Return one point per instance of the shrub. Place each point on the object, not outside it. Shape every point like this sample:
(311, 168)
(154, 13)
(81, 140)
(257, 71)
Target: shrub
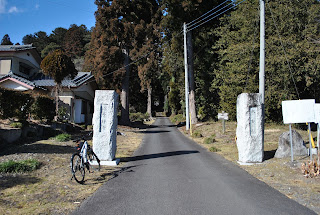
(63, 137)
(209, 140)
(43, 108)
(214, 149)
(14, 104)
(19, 166)
(90, 127)
(176, 119)
(201, 113)
(140, 117)
(196, 134)
(16, 125)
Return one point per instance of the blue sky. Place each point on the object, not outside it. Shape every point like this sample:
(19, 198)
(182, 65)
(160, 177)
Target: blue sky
(21, 17)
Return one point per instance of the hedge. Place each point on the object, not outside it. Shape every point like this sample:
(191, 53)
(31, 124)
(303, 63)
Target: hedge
(17, 104)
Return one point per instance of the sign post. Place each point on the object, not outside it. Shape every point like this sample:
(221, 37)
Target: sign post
(299, 111)
(224, 116)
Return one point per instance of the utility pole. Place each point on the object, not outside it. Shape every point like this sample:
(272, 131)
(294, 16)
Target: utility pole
(262, 62)
(262, 50)
(186, 79)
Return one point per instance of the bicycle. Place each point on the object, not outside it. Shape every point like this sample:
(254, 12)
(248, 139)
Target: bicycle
(83, 159)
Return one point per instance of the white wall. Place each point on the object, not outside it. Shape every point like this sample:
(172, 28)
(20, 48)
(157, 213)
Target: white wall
(12, 85)
(78, 118)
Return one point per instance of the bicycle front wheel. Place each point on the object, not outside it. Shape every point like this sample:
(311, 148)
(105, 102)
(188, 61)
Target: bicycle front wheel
(77, 168)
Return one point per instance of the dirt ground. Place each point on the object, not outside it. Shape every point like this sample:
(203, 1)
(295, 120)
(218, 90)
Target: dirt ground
(50, 190)
(277, 173)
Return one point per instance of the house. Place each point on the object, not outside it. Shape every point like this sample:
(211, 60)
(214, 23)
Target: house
(20, 70)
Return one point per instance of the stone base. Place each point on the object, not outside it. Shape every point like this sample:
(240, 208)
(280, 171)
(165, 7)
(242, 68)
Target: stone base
(247, 163)
(106, 163)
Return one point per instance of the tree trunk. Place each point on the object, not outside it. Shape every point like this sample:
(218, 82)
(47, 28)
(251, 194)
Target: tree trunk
(125, 120)
(192, 103)
(149, 105)
(56, 94)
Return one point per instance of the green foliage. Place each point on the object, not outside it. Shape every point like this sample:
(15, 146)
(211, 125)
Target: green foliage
(39, 40)
(174, 98)
(16, 125)
(196, 134)
(43, 108)
(140, 117)
(63, 137)
(293, 27)
(6, 40)
(176, 119)
(49, 48)
(62, 113)
(14, 104)
(201, 113)
(214, 149)
(209, 140)
(19, 166)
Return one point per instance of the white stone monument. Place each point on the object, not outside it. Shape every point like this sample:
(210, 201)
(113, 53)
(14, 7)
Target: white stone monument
(250, 128)
(105, 123)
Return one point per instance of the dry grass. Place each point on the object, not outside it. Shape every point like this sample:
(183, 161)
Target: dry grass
(278, 173)
(49, 189)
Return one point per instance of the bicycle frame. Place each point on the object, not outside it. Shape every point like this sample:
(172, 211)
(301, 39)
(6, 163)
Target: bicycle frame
(84, 152)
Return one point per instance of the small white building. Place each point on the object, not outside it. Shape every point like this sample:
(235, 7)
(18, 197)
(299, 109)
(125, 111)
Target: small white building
(20, 70)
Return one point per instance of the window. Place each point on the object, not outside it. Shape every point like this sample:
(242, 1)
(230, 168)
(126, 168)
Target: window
(5, 66)
(24, 68)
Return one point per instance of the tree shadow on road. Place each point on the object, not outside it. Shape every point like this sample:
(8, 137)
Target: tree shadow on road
(157, 155)
(153, 131)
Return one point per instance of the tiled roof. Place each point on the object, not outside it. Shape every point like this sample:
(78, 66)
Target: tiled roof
(41, 81)
(18, 78)
(16, 47)
(80, 79)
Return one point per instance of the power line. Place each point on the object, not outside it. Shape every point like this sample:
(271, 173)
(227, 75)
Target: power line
(235, 5)
(140, 58)
(190, 23)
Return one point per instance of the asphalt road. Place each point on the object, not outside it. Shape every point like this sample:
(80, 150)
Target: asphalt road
(170, 174)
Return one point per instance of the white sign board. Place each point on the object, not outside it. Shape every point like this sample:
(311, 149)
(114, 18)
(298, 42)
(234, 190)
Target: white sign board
(223, 116)
(298, 111)
(317, 113)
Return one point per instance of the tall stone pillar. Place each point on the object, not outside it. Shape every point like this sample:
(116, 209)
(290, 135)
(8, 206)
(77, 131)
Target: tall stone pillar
(105, 123)
(250, 128)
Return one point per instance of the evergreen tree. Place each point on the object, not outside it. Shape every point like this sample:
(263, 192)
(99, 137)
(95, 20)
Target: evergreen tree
(57, 35)
(147, 40)
(75, 40)
(176, 13)
(6, 40)
(39, 40)
(58, 65)
(117, 40)
(290, 26)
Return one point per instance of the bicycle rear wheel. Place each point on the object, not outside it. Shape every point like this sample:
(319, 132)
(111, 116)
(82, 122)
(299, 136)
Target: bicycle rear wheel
(77, 168)
(94, 160)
